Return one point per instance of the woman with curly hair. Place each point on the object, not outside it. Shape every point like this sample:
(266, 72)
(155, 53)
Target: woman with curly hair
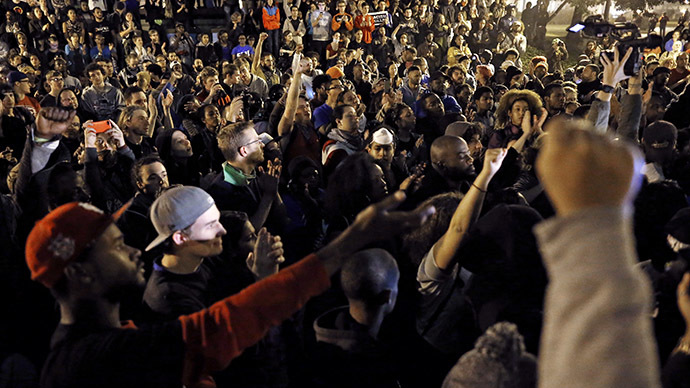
(509, 114)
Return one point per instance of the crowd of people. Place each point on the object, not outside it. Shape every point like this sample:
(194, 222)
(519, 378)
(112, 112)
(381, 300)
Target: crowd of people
(339, 194)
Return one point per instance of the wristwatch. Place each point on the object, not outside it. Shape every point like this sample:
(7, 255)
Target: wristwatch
(607, 88)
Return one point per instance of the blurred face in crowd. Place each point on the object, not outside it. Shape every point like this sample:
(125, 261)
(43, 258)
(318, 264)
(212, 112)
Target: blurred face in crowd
(138, 99)
(294, 12)
(56, 83)
(588, 74)
(180, 146)
(433, 106)
(253, 148)
(268, 62)
(556, 100)
(97, 79)
(68, 99)
(8, 101)
(382, 152)
(74, 128)
(406, 120)
(682, 61)
(349, 121)
(23, 86)
(162, 62)
(485, 102)
(379, 189)
(210, 81)
(204, 236)
(153, 178)
(303, 113)
(661, 80)
(211, 117)
(98, 14)
(656, 108)
(475, 146)
(455, 160)
(415, 77)
(517, 111)
(334, 89)
(138, 123)
(245, 75)
(439, 86)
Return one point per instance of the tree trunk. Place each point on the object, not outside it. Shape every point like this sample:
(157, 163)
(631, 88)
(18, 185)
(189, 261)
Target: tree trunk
(607, 10)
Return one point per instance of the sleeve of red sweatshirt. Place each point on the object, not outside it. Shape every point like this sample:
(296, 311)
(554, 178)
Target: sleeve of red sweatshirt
(214, 336)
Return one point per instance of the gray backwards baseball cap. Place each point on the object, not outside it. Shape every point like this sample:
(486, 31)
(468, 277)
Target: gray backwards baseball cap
(177, 209)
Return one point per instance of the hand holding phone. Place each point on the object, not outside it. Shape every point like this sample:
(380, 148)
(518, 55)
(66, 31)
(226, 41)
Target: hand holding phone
(101, 126)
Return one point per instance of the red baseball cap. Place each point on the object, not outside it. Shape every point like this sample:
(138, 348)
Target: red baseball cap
(60, 238)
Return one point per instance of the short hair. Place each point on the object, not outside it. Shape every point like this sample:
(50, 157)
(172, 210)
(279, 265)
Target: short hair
(241, 62)
(127, 114)
(593, 67)
(94, 67)
(230, 139)
(206, 73)
(548, 89)
(368, 273)
(481, 90)
(141, 162)
(339, 111)
(393, 114)
(412, 68)
(320, 80)
(130, 91)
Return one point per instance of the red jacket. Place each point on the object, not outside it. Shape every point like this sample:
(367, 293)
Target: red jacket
(271, 18)
(367, 30)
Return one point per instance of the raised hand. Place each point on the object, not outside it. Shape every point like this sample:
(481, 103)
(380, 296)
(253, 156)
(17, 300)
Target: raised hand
(90, 135)
(115, 134)
(580, 169)
(53, 121)
(493, 159)
(380, 220)
(614, 71)
(268, 180)
(267, 255)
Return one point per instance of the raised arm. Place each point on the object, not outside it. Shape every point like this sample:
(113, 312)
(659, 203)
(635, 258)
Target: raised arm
(286, 123)
(257, 53)
(613, 73)
(468, 210)
(600, 334)
(214, 336)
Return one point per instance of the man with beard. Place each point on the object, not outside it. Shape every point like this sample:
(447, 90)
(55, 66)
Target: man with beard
(451, 169)
(439, 83)
(238, 187)
(134, 122)
(412, 86)
(264, 64)
(554, 99)
(79, 254)
(107, 166)
(151, 178)
(660, 79)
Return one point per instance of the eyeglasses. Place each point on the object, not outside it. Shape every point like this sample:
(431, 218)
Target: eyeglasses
(250, 143)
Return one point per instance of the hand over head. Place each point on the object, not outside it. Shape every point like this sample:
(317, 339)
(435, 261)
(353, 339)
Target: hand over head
(53, 121)
(580, 169)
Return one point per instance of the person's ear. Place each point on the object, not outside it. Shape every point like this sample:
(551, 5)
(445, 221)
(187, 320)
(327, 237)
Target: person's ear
(242, 151)
(140, 184)
(179, 238)
(77, 272)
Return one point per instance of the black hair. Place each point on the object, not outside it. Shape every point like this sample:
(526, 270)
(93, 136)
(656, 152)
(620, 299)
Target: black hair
(480, 91)
(135, 174)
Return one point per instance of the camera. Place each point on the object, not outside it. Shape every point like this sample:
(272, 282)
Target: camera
(626, 34)
(253, 106)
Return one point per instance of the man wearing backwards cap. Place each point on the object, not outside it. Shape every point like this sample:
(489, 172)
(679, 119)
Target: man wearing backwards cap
(79, 253)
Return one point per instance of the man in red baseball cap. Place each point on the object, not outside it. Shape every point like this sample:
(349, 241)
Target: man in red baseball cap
(79, 253)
